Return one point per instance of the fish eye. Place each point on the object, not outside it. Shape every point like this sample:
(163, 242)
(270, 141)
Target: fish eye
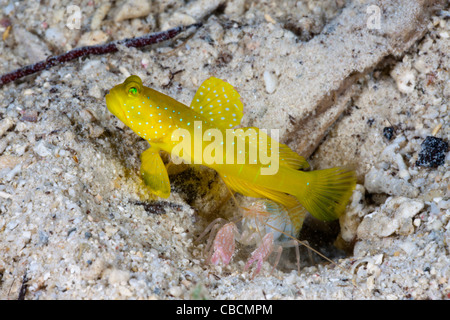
(133, 86)
(132, 91)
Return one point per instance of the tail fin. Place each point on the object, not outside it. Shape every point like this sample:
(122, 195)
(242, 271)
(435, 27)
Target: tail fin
(327, 192)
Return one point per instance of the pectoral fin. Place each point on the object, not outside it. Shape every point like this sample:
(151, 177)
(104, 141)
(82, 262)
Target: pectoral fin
(154, 173)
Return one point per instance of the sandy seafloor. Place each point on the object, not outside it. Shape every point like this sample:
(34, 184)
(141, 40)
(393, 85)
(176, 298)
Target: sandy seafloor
(76, 221)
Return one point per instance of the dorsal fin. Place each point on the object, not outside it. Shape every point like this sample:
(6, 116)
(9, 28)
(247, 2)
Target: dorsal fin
(291, 159)
(218, 102)
(288, 158)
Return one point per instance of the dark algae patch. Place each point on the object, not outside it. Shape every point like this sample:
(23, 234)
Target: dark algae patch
(432, 153)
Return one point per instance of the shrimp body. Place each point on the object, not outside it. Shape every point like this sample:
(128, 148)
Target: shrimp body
(203, 134)
(265, 216)
(265, 224)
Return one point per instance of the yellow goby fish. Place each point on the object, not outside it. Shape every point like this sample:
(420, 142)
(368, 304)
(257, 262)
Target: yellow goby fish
(216, 108)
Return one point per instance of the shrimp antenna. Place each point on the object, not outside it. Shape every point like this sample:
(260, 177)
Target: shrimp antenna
(278, 230)
(315, 251)
(297, 240)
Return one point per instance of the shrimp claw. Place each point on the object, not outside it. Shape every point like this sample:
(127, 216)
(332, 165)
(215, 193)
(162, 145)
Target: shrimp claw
(224, 244)
(262, 252)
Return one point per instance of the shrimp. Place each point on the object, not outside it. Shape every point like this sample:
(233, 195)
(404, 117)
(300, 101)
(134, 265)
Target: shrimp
(272, 227)
(264, 223)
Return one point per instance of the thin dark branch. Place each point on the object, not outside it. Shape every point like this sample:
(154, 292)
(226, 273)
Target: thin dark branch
(94, 50)
(23, 287)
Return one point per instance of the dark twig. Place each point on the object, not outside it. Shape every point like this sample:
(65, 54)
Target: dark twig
(23, 287)
(94, 50)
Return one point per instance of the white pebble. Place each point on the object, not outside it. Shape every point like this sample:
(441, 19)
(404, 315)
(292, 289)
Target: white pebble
(96, 269)
(235, 8)
(99, 15)
(408, 246)
(41, 149)
(444, 35)
(119, 276)
(95, 91)
(201, 8)
(405, 79)
(395, 216)
(350, 221)
(132, 9)
(55, 36)
(406, 82)
(403, 170)
(124, 71)
(176, 19)
(92, 38)
(389, 152)
(194, 11)
(5, 195)
(379, 181)
(370, 283)
(435, 225)
(11, 174)
(421, 66)
(5, 125)
(291, 279)
(444, 204)
(176, 291)
(124, 291)
(417, 222)
(26, 235)
(270, 81)
(12, 225)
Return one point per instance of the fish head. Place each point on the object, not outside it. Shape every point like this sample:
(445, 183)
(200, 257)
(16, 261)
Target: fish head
(123, 99)
(129, 102)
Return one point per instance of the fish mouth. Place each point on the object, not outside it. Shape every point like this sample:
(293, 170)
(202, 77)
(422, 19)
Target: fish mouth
(114, 104)
(110, 99)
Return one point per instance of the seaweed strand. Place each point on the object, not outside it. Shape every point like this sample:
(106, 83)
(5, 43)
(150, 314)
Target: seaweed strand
(110, 47)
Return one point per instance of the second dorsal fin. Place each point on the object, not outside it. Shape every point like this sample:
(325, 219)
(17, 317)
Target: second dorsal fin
(217, 101)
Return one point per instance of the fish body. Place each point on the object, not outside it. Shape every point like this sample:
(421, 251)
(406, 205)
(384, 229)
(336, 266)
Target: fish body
(250, 162)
